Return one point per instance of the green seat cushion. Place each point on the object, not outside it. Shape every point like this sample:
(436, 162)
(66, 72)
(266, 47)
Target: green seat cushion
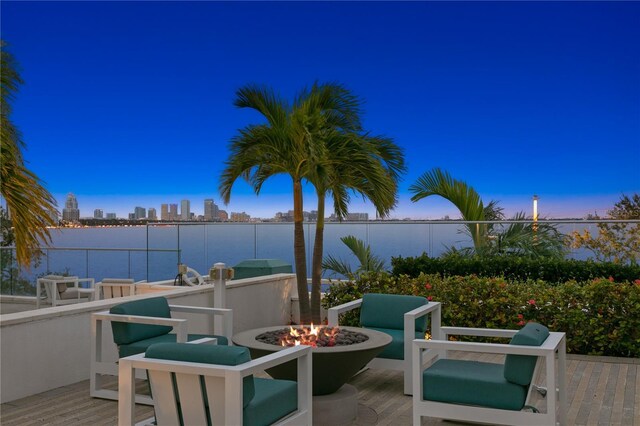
(273, 400)
(125, 333)
(519, 368)
(472, 383)
(395, 349)
(387, 311)
(142, 345)
(207, 354)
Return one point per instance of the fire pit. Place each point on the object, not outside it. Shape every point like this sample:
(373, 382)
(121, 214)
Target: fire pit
(338, 352)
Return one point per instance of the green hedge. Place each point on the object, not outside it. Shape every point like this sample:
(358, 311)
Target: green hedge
(600, 317)
(515, 268)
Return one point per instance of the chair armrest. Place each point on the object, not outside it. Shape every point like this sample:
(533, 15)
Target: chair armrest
(91, 281)
(550, 345)
(227, 315)
(334, 313)
(422, 310)
(200, 310)
(264, 362)
(482, 332)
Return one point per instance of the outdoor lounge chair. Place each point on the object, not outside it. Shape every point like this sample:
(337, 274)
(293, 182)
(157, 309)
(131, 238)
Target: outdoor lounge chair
(110, 288)
(403, 318)
(138, 324)
(214, 385)
(492, 393)
(61, 290)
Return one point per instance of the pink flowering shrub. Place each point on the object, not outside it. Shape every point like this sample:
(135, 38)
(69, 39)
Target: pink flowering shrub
(600, 317)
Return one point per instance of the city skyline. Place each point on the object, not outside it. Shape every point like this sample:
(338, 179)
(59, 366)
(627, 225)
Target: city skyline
(514, 98)
(199, 207)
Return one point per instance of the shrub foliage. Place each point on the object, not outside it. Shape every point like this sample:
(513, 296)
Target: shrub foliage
(600, 317)
(514, 268)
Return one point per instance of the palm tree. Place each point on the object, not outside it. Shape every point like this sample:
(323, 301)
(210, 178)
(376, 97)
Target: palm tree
(365, 165)
(28, 203)
(517, 238)
(463, 196)
(286, 144)
(368, 261)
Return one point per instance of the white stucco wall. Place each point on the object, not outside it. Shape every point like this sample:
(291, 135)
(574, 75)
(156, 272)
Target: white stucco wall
(48, 348)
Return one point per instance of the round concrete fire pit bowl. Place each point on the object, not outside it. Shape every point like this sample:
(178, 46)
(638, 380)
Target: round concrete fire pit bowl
(332, 366)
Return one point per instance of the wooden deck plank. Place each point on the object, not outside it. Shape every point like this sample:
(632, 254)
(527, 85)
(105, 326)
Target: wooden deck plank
(598, 393)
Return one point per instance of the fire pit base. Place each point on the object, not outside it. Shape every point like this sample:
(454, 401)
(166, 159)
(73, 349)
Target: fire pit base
(338, 408)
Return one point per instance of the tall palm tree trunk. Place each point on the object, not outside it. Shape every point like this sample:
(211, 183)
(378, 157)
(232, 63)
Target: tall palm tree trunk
(316, 265)
(300, 254)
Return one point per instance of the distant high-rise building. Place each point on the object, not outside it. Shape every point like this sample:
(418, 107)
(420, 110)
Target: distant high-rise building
(240, 217)
(210, 210)
(98, 214)
(139, 213)
(223, 215)
(151, 214)
(132, 216)
(164, 212)
(71, 213)
(185, 210)
(173, 212)
(111, 216)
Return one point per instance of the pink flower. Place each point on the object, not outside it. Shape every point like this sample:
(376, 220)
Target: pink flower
(637, 282)
(532, 302)
(427, 286)
(611, 279)
(521, 323)
(429, 298)
(520, 316)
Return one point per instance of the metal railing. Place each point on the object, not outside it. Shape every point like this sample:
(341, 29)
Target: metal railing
(95, 262)
(201, 244)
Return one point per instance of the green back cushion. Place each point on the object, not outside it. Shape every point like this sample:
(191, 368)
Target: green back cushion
(519, 368)
(387, 311)
(206, 354)
(125, 333)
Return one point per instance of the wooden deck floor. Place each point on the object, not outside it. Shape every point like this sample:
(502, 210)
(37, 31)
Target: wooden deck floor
(600, 391)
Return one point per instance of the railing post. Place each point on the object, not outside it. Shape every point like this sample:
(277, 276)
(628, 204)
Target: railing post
(219, 273)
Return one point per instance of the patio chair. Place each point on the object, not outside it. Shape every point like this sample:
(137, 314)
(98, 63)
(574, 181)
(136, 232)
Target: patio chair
(403, 318)
(138, 324)
(483, 392)
(214, 385)
(110, 288)
(61, 290)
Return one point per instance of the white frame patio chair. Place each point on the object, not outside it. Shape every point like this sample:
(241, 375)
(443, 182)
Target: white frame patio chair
(111, 288)
(555, 370)
(223, 401)
(100, 368)
(58, 290)
(433, 309)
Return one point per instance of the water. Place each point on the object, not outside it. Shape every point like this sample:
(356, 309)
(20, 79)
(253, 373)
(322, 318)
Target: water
(201, 245)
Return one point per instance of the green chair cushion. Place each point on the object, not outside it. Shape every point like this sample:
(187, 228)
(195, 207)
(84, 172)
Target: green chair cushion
(125, 333)
(273, 400)
(387, 311)
(142, 345)
(519, 368)
(472, 383)
(395, 349)
(207, 354)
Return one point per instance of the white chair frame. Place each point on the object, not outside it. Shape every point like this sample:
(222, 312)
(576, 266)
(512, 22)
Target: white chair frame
(50, 287)
(111, 288)
(101, 319)
(224, 388)
(432, 308)
(554, 346)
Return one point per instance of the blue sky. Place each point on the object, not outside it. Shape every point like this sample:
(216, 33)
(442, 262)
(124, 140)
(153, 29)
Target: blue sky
(130, 103)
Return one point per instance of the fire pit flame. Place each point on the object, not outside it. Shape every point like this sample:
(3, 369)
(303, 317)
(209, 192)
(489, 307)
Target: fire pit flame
(310, 336)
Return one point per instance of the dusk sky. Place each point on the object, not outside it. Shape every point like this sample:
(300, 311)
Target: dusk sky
(131, 103)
